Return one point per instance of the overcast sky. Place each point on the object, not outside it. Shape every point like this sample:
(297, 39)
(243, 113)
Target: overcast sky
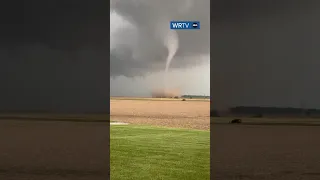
(138, 53)
(266, 54)
(54, 54)
(193, 79)
(263, 53)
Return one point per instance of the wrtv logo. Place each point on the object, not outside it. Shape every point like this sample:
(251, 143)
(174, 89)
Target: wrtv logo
(195, 25)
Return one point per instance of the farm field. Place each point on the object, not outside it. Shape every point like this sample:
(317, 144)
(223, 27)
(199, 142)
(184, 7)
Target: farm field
(165, 113)
(253, 152)
(270, 121)
(55, 117)
(165, 139)
(157, 99)
(62, 149)
(265, 148)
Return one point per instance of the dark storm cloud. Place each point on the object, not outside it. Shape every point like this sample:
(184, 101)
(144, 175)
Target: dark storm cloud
(140, 48)
(265, 54)
(58, 24)
(143, 50)
(262, 52)
(233, 11)
(54, 56)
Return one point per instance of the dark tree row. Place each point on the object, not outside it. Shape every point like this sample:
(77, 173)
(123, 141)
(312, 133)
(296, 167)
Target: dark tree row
(261, 111)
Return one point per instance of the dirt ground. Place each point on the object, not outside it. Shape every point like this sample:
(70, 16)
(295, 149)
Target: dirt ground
(259, 152)
(41, 150)
(168, 113)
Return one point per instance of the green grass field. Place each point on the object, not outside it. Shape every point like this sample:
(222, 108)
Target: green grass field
(142, 152)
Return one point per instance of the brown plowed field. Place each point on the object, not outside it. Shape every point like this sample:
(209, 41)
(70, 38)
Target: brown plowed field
(265, 152)
(53, 150)
(192, 114)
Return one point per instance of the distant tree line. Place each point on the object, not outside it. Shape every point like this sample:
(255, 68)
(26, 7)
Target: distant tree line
(195, 97)
(271, 110)
(261, 111)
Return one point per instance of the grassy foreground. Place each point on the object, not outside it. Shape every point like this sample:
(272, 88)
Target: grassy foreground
(140, 152)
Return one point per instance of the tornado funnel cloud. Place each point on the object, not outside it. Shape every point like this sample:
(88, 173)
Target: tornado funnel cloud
(172, 44)
(171, 41)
